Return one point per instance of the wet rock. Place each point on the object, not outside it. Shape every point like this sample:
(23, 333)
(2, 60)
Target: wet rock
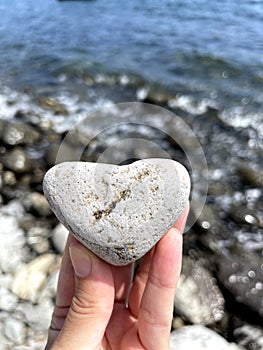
(119, 212)
(198, 337)
(59, 237)
(12, 241)
(18, 133)
(151, 95)
(31, 278)
(197, 297)
(243, 279)
(66, 153)
(249, 337)
(17, 161)
(250, 176)
(244, 216)
(207, 219)
(219, 189)
(9, 178)
(53, 105)
(15, 330)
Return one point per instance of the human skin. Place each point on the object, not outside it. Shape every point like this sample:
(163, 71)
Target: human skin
(91, 310)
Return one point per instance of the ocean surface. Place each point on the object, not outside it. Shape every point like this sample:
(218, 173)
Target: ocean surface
(203, 51)
(87, 54)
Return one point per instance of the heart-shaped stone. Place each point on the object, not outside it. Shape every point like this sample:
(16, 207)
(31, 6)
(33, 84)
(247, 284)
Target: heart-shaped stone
(119, 212)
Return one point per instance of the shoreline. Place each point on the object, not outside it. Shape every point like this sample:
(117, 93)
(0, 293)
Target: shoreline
(225, 241)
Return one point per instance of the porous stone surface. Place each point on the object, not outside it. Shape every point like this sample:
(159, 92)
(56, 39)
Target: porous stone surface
(119, 212)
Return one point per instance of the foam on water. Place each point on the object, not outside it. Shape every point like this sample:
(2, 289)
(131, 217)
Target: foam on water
(12, 101)
(241, 117)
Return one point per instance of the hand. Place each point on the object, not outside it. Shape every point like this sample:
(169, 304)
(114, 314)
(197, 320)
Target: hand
(90, 311)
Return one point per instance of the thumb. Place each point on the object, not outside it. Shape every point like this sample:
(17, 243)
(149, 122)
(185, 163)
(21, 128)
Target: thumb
(92, 302)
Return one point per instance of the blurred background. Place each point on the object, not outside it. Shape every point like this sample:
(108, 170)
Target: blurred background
(203, 61)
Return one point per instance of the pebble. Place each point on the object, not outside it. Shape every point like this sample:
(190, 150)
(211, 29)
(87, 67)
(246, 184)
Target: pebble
(14, 208)
(243, 279)
(53, 105)
(19, 133)
(37, 203)
(249, 336)
(15, 330)
(30, 279)
(119, 212)
(39, 244)
(251, 177)
(59, 237)
(18, 161)
(197, 297)
(31, 315)
(12, 241)
(8, 301)
(199, 337)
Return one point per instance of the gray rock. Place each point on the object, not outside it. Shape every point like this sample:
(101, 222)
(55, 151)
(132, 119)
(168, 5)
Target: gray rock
(250, 337)
(38, 316)
(18, 133)
(14, 208)
(197, 297)
(119, 212)
(15, 330)
(250, 176)
(8, 301)
(9, 178)
(5, 343)
(198, 337)
(243, 278)
(34, 342)
(59, 237)
(12, 241)
(18, 161)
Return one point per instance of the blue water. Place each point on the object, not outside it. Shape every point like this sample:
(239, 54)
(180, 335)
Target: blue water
(205, 49)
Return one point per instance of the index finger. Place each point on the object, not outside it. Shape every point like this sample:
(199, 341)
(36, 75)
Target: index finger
(156, 309)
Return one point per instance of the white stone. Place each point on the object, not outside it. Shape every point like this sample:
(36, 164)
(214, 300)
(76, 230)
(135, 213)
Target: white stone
(198, 337)
(31, 278)
(15, 330)
(37, 316)
(12, 241)
(8, 300)
(119, 212)
(59, 237)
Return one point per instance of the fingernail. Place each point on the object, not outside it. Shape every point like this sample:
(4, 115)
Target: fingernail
(81, 261)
